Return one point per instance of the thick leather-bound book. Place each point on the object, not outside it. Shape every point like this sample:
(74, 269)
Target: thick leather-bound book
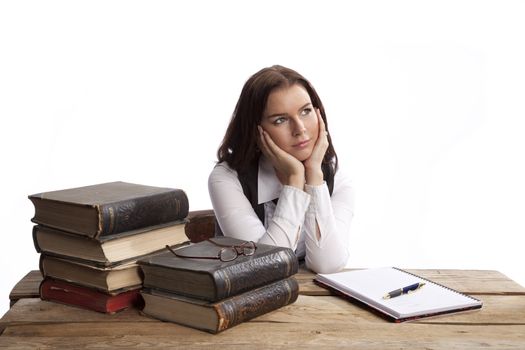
(88, 298)
(213, 279)
(112, 251)
(110, 208)
(108, 252)
(217, 316)
(105, 279)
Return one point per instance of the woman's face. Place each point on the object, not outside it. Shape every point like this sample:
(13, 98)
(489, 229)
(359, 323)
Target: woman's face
(291, 121)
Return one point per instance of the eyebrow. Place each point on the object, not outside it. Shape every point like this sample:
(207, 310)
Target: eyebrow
(282, 114)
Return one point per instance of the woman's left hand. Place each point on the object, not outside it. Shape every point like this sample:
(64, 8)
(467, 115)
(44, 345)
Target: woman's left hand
(312, 165)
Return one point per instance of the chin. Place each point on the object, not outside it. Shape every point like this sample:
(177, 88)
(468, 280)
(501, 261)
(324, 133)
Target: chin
(302, 155)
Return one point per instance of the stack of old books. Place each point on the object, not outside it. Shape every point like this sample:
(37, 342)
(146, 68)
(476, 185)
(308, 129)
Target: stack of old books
(218, 283)
(90, 239)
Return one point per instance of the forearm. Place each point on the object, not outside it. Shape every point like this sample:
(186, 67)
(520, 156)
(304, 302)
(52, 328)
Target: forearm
(327, 231)
(238, 219)
(286, 223)
(314, 177)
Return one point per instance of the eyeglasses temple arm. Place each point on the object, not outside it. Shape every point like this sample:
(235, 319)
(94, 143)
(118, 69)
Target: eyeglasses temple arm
(171, 250)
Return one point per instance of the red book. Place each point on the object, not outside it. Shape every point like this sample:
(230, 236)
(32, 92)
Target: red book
(87, 298)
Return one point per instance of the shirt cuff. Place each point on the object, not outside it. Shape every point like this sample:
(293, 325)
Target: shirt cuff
(320, 203)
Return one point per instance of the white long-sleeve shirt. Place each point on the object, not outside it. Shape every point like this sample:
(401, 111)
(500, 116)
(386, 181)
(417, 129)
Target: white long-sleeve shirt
(293, 221)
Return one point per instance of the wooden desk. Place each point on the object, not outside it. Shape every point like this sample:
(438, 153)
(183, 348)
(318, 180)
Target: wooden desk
(316, 320)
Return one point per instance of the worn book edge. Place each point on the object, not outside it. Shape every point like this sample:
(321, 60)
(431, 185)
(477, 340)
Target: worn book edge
(113, 217)
(99, 243)
(68, 293)
(230, 311)
(277, 263)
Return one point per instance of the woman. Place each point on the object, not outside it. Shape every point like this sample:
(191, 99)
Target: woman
(277, 180)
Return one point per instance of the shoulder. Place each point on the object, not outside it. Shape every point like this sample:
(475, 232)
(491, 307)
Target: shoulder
(223, 183)
(222, 172)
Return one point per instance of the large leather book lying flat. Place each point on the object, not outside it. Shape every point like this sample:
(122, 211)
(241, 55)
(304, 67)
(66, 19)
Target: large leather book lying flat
(217, 316)
(213, 279)
(108, 252)
(110, 208)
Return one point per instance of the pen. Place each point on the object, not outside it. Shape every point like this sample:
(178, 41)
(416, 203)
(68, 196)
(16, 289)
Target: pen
(404, 290)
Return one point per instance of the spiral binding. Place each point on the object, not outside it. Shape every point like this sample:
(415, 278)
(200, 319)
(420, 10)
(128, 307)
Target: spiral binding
(435, 283)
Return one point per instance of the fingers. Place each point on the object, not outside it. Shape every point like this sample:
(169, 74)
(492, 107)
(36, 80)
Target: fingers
(266, 143)
(322, 126)
(283, 162)
(269, 147)
(321, 145)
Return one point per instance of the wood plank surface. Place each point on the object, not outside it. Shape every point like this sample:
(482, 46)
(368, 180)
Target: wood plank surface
(38, 311)
(315, 320)
(251, 335)
(467, 281)
(497, 310)
(27, 287)
(473, 282)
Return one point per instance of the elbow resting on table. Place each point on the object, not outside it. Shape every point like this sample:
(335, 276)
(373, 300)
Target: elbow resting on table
(320, 265)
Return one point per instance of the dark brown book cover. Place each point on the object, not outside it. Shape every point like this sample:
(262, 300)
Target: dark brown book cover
(218, 316)
(88, 298)
(214, 280)
(200, 225)
(110, 208)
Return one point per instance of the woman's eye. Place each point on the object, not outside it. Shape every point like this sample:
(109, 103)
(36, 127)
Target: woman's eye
(306, 111)
(279, 120)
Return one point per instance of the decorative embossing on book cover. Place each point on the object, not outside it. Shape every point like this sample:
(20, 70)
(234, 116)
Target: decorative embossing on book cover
(217, 316)
(109, 208)
(213, 280)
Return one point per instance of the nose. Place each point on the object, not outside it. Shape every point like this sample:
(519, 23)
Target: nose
(298, 127)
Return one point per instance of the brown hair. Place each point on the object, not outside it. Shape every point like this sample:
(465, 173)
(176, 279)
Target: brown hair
(239, 145)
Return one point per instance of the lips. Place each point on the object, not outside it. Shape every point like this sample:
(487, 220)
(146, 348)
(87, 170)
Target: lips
(301, 144)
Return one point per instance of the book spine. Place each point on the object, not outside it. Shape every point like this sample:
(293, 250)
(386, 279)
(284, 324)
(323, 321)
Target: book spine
(141, 212)
(35, 240)
(41, 265)
(253, 273)
(71, 294)
(243, 307)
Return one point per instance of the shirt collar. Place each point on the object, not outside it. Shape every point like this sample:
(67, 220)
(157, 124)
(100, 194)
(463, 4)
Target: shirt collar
(268, 185)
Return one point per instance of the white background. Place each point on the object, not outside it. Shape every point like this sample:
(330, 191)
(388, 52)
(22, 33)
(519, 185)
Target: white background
(425, 103)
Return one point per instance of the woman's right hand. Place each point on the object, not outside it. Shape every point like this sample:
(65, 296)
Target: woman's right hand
(289, 169)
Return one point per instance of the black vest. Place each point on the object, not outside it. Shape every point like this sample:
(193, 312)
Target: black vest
(249, 183)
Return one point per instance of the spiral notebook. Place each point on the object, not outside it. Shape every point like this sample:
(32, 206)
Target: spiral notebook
(370, 286)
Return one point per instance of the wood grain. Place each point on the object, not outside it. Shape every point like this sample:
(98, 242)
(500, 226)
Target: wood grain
(277, 336)
(27, 287)
(473, 282)
(314, 321)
